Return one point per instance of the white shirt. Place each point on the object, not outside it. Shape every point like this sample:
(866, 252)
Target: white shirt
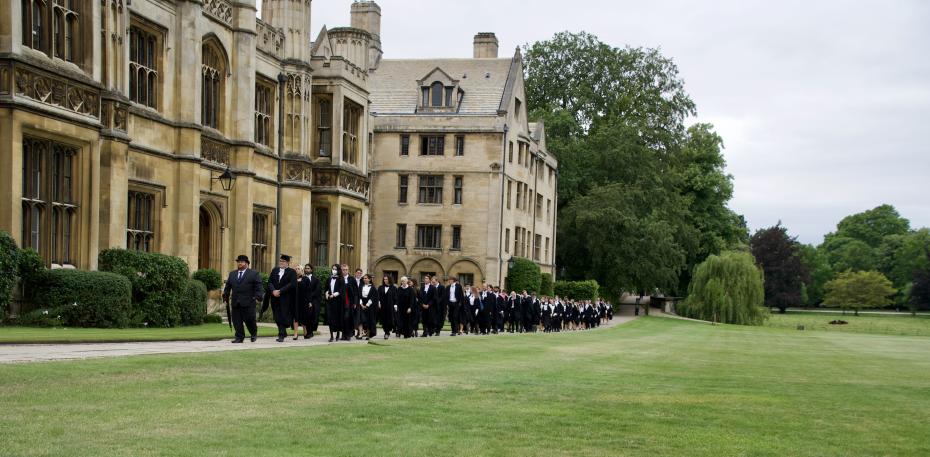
(280, 273)
(452, 293)
(365, 289)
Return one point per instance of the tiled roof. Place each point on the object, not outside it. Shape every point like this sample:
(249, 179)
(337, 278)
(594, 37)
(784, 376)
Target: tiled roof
(394, 90)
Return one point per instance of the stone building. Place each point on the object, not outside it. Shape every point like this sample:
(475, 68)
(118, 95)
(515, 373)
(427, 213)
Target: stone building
(461, 179)
(118, 118)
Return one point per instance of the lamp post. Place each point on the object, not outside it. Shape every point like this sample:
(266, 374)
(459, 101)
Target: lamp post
(226, 179)
(510, 264)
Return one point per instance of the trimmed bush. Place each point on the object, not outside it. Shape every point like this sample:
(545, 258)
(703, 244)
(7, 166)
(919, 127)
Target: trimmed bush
(210, 278)
(31, 273)
(213, 319)
(195, 303)
(545, 285)
(159, 283)
(9, 264)
(86, 298)
(577, 290)
(324, 273)
(524, 276)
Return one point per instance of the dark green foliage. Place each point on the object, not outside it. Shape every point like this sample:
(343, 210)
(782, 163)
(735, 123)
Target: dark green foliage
(780, 257)
(31, 273)
(194, 306)
(577, 290)
(819, 271)
(324, 273)
(210, 278)
(9, 264)
(872, 226)
(86, 298)
(630, 172)
(213, 319)
(524, 275)
(919, 296)
(726, 288)
(845, 253)
(545, 285)
(159, 283)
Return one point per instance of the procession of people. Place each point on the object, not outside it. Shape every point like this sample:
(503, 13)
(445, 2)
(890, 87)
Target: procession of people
(353, 306)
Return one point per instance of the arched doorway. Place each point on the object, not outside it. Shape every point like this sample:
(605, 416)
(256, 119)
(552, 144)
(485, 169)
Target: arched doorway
(205, 240)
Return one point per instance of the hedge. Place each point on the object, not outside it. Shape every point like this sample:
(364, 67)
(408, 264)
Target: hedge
(31, 273)
(210, 278)
(86, 298)
(577, 290)
(523, 276)
(9, 264)
(195, 303)
(159, 283)
(545, 285)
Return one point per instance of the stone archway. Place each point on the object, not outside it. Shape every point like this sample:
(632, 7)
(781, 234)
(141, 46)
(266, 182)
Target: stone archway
(209, 240)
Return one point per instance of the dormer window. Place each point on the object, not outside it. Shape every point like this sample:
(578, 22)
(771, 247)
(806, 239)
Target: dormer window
(439, 92)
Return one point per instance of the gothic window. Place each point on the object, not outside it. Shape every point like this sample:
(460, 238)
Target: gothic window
(144, 50)
(49, 206)
(403, 181)
(401, 240)
(348, 238)
(53, 27)
(351, 120)
(321, 237)
(140, 220)
(457, 190)
(213, 73)
(264, 103)
(260, 240)
(324, 126)
(456, 237)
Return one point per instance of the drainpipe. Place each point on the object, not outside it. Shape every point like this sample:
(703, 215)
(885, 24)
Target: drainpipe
(282, 79)
(500, 249)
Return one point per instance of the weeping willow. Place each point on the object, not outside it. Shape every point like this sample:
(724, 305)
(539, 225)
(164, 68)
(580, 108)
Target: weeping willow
(727, 288)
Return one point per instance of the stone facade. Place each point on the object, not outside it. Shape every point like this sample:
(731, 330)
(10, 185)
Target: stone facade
(116, 117)
(461, 180)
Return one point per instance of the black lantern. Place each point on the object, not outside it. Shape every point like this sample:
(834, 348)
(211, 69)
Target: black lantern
(226, 179)
(510, 264)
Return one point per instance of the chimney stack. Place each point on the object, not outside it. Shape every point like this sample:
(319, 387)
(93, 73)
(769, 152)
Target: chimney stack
(366, 15)
(485, 46)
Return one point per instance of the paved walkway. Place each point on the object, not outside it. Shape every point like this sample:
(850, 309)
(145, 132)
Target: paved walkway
(12, 353)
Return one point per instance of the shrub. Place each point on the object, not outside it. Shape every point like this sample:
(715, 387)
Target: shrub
(524, 276)
(213, 319)
(31, 273)
(858, 289)
(324, 273)
(86, 298)
(726, 288)
(545, 285)
(9, 263)
(194, 306)
(577, 290)
(159, 283)
(209, 277)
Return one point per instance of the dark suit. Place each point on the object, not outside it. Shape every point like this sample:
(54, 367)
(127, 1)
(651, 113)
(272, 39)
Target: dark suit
(309, 298)
(454, 308)
(283, 306)
(441, 303)
(369, 310)
(350, 317)
(428, 308)
(334, 306)
(406, 306)
(242, 295)
(386, 300)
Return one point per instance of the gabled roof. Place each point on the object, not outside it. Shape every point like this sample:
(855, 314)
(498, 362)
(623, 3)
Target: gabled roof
(394, 89)
(322, 46)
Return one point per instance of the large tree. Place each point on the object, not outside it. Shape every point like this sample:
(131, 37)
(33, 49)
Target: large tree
(859, 290)
(919, 296)
(641, 198)
(779, 255)
(726, 288)
(819, 272)
(872, 226)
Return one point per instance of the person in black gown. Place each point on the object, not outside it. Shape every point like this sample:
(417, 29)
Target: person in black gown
(387, 305)
(368, 304)
(335, 295)
(406, 305)
(282, 283)
(308, 302)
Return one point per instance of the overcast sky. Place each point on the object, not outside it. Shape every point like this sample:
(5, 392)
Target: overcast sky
(824, 106)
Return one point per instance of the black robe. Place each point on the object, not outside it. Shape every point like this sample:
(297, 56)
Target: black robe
(386, 300)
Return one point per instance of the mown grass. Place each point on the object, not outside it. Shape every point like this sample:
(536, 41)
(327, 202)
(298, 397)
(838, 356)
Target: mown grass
(11, 334)
(651, 387)
(882, 324)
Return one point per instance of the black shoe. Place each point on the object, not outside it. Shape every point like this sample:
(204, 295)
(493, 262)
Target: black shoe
(253, 338)
(307, 337)
(279, 339)
(386, 336)
(330, 339)
(237, 340)
(295, 337)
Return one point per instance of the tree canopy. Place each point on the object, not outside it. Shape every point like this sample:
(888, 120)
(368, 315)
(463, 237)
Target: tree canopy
(859, 289)
(727, 288)
(780, 257)
(642, 198)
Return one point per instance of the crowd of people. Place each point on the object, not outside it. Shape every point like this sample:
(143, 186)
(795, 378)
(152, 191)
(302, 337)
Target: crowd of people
(354, 306)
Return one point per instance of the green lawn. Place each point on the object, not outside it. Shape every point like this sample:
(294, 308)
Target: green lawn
(651, 387)
(875, 323)
(90, 335)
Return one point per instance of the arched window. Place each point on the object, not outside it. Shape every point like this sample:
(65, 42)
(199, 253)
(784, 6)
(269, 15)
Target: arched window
(436, 90)
(53, 27)
(214, 75)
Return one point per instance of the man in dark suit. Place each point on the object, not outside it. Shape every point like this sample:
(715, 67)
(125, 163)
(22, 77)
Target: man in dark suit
(243, 288)
(453, 297)
(282, 283)
(309, 298)
(439, 303)
(336, 299)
